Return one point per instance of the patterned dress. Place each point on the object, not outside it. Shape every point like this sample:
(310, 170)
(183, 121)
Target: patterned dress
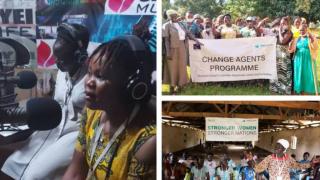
(282, 85)
(119, 162)
(279, 166)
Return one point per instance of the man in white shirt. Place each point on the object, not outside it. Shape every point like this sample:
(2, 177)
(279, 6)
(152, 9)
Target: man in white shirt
(199, 171)
(211, 165)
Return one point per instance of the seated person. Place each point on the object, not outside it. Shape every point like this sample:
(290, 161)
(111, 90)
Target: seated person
(117, 139)
(46, 154)
(305, 172)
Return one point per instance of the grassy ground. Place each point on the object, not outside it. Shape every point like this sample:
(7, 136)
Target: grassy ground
(202, 89)
(205, 89)
(196, 89)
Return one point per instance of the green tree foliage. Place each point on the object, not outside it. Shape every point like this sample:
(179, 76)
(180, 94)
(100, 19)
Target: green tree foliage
(314, 13)
(240, 8)
(274, 8)
(303, 5)
(310, 9)
(208, 8)
(166, 5)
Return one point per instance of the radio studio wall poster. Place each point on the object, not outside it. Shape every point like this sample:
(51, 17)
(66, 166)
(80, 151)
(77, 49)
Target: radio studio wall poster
(103, 23)
(17, 32)
(131, 7)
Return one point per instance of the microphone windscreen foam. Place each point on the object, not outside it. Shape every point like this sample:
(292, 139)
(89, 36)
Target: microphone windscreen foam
(27, 79)
(43, 113)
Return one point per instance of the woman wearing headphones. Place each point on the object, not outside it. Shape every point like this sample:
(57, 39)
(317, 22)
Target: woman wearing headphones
(46, 154)
(117, 139)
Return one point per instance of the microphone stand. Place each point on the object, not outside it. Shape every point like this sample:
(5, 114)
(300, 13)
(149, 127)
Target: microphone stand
(8, 98)
(7, 103)
(18, 135)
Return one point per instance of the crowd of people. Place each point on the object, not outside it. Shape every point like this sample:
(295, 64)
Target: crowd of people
(276, 166)
(296, 51)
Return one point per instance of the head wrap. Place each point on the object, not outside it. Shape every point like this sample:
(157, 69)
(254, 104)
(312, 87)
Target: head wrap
(197, 16)
(284, 143)
(250, 18)
(171, 12)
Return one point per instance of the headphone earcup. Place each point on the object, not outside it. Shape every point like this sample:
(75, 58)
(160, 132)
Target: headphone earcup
(137, 89)
(138, 86)
(80, 56)
(81, 53)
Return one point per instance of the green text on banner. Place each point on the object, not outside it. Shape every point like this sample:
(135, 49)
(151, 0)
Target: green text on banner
(231, 129)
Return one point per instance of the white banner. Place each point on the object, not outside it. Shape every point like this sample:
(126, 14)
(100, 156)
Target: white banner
(233, 59)
(231, 129)
(17, 12)
(131, 7)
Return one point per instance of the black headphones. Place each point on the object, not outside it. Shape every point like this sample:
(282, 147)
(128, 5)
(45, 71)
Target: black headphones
(137, 85)
(81, 53)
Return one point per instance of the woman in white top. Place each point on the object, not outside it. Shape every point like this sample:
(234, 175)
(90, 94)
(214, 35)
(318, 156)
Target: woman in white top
(176, 38)
(46, 154)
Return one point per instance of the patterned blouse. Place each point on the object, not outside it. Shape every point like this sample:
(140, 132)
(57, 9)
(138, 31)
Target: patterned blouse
(279, 166)
(119, 162)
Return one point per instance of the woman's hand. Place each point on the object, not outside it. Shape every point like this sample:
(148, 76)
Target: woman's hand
(292, 46)
(262, 22)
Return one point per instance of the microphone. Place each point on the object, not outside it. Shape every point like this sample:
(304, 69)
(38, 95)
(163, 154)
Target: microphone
(24, 79)
(40, 114)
